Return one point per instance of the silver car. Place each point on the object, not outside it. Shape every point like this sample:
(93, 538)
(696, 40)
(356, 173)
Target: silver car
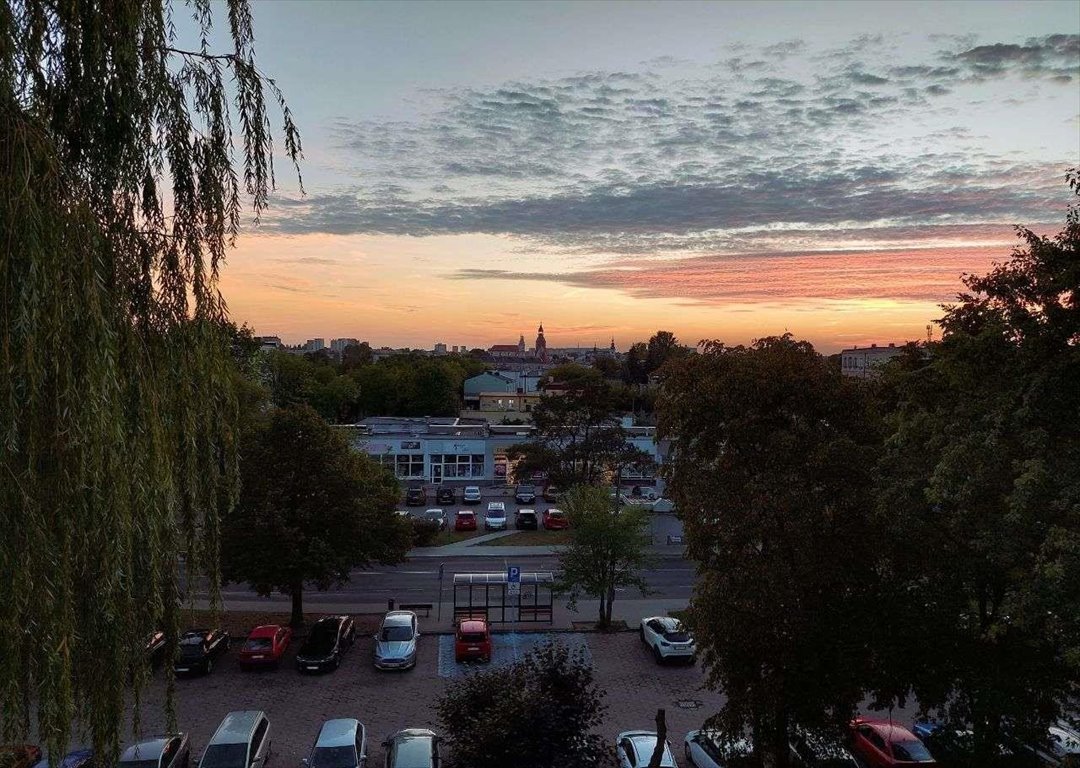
(413, 748)
(161, 752)
(495, 519)
(395, 645)
(341, 743)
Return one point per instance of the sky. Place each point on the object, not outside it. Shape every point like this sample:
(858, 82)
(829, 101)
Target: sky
(721, 170)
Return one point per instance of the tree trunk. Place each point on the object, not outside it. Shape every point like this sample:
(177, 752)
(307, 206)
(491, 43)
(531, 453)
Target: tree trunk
(610, 604)
(297, 619)
(661, 740)
(603, 613)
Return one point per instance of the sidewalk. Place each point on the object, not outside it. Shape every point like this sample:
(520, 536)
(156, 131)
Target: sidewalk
(478, 547)
(629, 610)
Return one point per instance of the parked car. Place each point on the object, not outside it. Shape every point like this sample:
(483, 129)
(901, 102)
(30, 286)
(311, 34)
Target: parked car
(954, 746)
(341, 743)
(709, 749)
(555, 520)
(155, 648)
(435, 515)
(265, 646)
(471, 495)
(172, 751)
(881, 744)
(465, 520)
(668, 638)
(526, 519)
(495, 519)
(472, 639)
(415, 497)
(199, 650)
(395, 643)
(446, 496)
(76, 758)
(413, 748)
(816, 750)
(635, 748)
(1062, 746)
(329, 638)
(241, 741)
(525, 494)
(19, 755)
(552, 494)
(403, 513)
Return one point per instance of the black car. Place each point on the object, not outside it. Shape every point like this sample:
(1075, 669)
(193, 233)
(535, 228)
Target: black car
(525, 494)
(200, 650)
(526, 519)
(446, 496)
(328, 639)
(552, 494)
(155, 648)
(415, 497)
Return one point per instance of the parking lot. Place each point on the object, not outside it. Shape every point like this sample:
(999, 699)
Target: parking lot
(388, 701)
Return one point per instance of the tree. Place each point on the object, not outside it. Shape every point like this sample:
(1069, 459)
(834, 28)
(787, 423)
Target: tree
(983, 473)
(772, 479)
(356, 356)
(310, 510)
(121, 197)
(608, 549)
(578, 437)
(539, 712)
(663, 346)
(634, 364)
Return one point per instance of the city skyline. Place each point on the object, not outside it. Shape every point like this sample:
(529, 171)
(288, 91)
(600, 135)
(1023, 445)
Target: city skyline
(722, 171)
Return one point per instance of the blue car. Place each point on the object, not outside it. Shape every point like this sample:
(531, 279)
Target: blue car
(77, 758)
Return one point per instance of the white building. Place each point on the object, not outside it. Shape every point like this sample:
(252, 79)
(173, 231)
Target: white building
(338, 345)
(864, 362)
(314, 345)
(440, 348)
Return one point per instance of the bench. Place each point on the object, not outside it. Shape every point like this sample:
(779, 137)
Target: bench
(425, 607)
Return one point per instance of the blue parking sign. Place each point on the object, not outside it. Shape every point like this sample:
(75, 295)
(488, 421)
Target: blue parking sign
(513, 574)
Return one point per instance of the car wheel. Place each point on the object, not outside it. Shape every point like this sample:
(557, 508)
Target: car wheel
(689, 759)
(337, 662)
(641, 633)
(657, 655)
(209, 666)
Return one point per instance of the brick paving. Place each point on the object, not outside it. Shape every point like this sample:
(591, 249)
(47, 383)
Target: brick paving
(388, 701)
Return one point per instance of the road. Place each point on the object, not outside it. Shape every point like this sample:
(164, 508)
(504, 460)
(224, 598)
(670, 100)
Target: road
(418, 580)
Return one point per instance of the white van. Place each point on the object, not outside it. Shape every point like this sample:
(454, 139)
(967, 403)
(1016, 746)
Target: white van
(241, 741)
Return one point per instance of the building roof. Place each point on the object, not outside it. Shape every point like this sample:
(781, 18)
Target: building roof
(503, 348)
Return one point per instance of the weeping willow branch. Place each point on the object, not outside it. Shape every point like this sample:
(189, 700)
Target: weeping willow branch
(119, 194)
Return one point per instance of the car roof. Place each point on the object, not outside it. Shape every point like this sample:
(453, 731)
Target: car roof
(338, 733)
(734, 748)
(149, 749)
(496, 505)
(266, 630)
(473, 625)
(644, 742)
(670, 623)
(553, 511)
(465, 512)
(413, 748)
(237, 726)
(74, 757)
(433, 509)
(888, 731)
(398, 618)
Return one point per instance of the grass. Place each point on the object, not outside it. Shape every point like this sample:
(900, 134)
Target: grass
(540, 538)
(450, 536)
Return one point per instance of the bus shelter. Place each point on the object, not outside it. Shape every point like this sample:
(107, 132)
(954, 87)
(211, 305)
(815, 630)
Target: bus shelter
(489, 595)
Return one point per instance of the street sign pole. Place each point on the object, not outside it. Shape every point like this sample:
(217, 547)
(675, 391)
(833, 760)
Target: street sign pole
(513, 581)
(439, 614)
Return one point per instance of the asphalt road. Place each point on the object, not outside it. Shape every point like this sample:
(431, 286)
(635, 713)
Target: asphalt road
(418, 580)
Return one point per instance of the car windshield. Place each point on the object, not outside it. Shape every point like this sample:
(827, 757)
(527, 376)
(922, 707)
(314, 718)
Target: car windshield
(677, 637)
(334, 757)
(321, 639)
(190, 641)
(467, 515)
(910, 750)
(258, 644)
(396, 634)
(224, 756)
(473, 637)
(433, 515)
(554, 513)
(525, 489)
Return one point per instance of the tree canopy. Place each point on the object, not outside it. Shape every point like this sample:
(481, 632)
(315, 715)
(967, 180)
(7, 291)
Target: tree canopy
(772, 477)
(539, 712)
(121, 195)
(311, 509)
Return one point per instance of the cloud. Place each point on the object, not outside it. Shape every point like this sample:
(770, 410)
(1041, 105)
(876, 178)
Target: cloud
(1053, 57)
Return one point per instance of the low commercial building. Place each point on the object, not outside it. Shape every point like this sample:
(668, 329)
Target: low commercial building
(520, 402)
(865, 362)
(458, 452)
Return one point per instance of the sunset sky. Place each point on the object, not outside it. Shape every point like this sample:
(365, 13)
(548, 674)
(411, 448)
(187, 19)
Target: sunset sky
(727, 170)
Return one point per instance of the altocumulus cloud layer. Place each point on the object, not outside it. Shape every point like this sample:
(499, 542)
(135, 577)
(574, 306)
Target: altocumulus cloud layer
(781, 151)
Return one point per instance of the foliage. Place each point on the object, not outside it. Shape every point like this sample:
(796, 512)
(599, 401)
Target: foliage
(983, 473)
(578, 437)
(662, 347)
(539, 712)
(120, 199)
(424, 532)
(608, 548)
(772, 479)
(310, 510)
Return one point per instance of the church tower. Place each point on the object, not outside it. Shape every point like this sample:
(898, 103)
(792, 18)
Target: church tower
(541, 344)
(521, 345)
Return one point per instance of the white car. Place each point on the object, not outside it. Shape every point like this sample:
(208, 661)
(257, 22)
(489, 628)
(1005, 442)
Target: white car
(635, 748)
(668, 638)
(707, 749)
(471, 494)
(495, 519)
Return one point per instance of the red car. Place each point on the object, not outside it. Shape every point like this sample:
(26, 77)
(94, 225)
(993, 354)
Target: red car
(881, 744)
(472, 640)
(265, 646)
(465, 520)
(555, 519)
